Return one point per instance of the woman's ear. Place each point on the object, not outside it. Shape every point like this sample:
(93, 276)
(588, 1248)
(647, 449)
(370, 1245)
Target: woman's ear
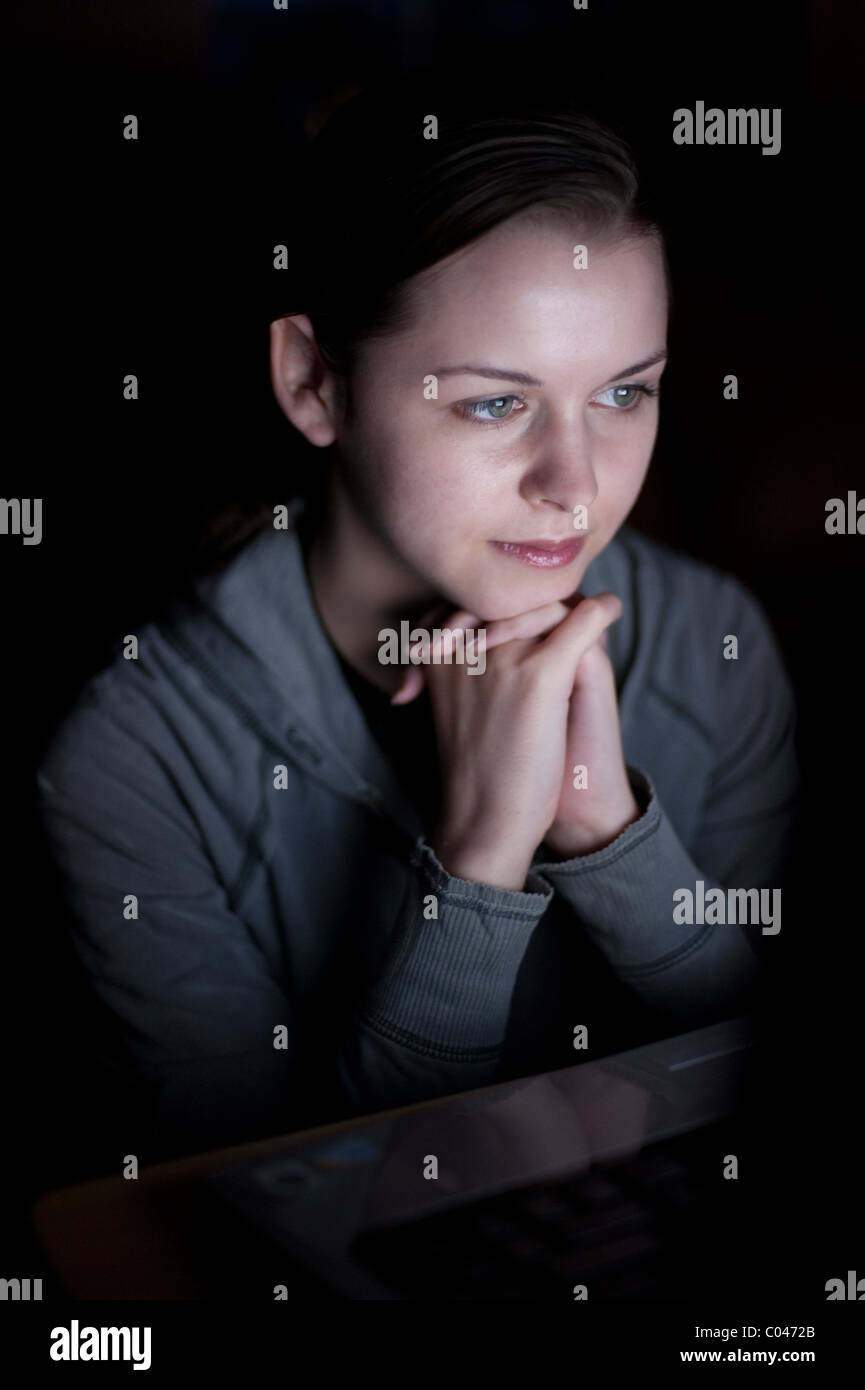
(303, 385)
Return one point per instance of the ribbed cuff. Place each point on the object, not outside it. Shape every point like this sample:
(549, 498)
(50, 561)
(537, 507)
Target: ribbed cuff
(650, 812)
(447, 984)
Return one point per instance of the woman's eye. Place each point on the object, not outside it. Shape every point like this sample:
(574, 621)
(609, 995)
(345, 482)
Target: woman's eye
(626, 397)
(621, 398)
(497, 405)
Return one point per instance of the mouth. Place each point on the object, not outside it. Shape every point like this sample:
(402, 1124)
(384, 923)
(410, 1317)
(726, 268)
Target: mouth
(543, 554)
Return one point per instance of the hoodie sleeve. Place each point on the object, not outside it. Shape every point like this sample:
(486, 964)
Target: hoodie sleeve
(435, 1020)
(205, 1029)
(192, 999)
(692, 972)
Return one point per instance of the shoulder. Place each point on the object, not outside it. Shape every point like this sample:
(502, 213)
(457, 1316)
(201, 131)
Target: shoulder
(127, 701)
(702, 641)
(671, 582)
(147, 736)
(191, 706)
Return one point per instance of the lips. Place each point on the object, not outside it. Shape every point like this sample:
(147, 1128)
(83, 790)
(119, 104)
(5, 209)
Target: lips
(542, 544)
(543, 553)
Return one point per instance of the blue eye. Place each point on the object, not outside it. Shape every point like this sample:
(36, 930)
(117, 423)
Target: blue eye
(473, 409)
(633, 391)
(501, 408)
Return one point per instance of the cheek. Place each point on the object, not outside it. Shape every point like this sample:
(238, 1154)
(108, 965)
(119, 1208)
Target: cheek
(626, 461)
(419, 478)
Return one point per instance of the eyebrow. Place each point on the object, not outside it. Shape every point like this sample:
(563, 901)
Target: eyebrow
(509, 374)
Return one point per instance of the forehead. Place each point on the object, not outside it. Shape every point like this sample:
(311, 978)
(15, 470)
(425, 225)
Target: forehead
(516, 290)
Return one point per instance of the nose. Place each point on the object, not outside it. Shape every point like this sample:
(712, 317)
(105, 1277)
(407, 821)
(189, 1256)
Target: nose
(559, 472)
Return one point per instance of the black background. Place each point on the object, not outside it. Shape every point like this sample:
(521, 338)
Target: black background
(154, 257)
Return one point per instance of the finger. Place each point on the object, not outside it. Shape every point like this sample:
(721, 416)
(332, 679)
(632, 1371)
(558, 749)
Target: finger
(532, 623)
(412, 685)
(578, 597)
(426, 651)
(582, 628)
(529, 624)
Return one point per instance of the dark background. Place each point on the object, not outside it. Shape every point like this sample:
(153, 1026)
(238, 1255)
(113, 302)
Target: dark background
(154, 257)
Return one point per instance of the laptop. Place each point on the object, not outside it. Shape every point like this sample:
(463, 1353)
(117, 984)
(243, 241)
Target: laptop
(610, 1179)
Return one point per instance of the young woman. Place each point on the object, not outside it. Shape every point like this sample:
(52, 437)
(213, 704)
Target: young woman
(309, 881)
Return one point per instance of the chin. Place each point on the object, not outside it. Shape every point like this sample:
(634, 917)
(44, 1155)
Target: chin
(498, 604)
(494, 600)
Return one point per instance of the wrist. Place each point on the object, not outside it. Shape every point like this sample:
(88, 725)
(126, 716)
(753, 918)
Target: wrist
(570, 842)
(497, 867)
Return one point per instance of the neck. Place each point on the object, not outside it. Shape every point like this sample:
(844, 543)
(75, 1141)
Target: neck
(360, 587)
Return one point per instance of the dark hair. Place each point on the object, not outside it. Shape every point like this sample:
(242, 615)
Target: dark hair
(377, 202)
(374, 202)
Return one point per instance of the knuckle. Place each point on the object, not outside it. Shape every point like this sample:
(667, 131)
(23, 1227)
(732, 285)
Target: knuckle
(592, 609)
(604, 606)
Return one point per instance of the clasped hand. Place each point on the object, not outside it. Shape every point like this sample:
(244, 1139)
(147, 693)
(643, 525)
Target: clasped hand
(511, 739)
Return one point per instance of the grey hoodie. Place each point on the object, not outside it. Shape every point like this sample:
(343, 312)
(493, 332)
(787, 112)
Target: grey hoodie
(254, 898)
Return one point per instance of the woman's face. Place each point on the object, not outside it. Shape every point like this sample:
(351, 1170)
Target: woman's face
(538, 414)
